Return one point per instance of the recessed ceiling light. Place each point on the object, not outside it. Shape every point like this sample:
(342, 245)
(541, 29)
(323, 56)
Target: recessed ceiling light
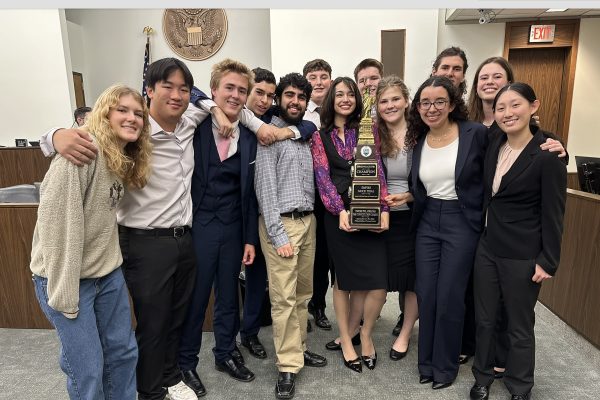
(551, 10)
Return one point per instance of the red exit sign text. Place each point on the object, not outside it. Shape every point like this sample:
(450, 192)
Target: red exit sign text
(541, 33)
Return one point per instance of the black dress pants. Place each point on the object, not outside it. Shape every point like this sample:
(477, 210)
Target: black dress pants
(322, 265)
(445, 247)
(256, 286)
(160, 273)
(494, 276)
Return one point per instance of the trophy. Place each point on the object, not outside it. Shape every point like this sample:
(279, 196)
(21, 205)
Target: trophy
(365, 206)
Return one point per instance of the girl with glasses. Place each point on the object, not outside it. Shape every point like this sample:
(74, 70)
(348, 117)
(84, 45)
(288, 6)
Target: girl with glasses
(446, 182)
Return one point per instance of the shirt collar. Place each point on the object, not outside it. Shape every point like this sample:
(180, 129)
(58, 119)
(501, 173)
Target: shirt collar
(155, 128)
(312, 106)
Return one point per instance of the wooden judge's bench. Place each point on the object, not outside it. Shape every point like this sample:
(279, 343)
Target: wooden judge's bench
(572, 294)
(18, 305)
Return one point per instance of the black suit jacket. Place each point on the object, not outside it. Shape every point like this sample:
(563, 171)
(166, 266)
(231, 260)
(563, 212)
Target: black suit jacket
(525, 217)
(468, 174)
(247, 144)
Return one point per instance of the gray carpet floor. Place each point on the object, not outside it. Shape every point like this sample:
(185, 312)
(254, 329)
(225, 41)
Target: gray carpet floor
(567, 367)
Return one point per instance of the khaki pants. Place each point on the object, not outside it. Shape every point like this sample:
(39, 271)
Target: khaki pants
(290, 287)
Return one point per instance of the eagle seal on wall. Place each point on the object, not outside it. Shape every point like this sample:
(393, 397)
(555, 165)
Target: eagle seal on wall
(195, 33)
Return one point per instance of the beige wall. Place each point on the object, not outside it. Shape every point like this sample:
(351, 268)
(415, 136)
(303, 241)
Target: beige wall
(478, 41)
(345, 37)
(36, 76)
(114, 45)
(108, 46)
(584, 128)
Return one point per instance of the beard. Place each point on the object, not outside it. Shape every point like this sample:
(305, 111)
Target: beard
(292, 120)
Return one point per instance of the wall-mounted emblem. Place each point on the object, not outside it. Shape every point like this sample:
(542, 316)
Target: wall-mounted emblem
(195, 33)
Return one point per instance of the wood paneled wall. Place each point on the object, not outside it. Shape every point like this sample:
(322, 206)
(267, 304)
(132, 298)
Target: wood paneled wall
(22, 165)
(18, 305)
(573, 181)
(574, 293)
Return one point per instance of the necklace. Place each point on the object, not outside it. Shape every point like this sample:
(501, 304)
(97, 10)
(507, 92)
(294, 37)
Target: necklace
(441, 137)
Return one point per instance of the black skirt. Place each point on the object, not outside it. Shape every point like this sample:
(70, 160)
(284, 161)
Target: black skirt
(359, 258)
(400, 243)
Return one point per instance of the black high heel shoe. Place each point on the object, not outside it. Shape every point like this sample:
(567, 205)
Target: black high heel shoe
(334, 346)
(354, 365)
(398, 355)
(369, 361)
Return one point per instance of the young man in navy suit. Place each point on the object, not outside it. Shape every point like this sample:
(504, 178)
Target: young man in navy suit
(224, 225)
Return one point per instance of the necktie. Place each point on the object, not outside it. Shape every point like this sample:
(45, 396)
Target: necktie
(223, 146)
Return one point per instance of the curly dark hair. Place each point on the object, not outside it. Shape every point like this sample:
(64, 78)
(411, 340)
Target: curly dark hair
(327, 109)
(416, 126)
(296, 80)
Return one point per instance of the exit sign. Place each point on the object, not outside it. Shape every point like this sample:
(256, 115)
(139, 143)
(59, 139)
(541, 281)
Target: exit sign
(541, 33)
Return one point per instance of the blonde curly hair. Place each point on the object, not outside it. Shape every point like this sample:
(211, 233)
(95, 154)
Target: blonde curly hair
(132, 163)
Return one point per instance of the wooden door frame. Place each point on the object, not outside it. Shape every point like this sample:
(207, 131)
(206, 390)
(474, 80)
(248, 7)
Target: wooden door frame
(566, 36)
(82, 89)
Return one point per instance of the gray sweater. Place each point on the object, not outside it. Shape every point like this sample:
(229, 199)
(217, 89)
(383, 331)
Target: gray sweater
(76, 235)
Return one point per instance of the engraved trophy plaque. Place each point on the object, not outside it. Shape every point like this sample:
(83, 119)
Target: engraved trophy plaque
(365, 210)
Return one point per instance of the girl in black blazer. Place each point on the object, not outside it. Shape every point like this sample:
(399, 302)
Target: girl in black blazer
(525, 191)
(447, 185)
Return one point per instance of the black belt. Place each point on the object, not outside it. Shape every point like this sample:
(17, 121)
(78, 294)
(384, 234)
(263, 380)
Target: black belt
(177, 231)
(296, 214)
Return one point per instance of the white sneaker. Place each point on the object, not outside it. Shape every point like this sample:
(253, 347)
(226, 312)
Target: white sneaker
(181, 392)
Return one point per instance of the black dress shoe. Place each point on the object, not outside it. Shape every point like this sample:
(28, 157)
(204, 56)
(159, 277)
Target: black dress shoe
(314, 360)
(441, 385)
(525, 396)
(463, 359)
(236, 354)
(285, 387)
(479, 392)
(333, 346)
(398, 355)
(398, 327)
(236, 371)
(354, 365)
(254, 346)
(321, 319)
(192, 380)
(425, 379)
(369, 361)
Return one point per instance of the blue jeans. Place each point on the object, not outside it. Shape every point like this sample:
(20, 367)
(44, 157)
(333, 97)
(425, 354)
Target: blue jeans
(98, 348)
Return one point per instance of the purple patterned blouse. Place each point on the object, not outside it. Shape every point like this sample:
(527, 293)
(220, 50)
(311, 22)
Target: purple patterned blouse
(331, 198)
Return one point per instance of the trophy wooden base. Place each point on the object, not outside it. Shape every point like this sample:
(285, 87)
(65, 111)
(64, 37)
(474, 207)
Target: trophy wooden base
(365, 216)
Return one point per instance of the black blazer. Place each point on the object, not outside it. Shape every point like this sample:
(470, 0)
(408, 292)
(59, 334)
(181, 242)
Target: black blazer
(247, 144)
(468, 174)
(525, 217)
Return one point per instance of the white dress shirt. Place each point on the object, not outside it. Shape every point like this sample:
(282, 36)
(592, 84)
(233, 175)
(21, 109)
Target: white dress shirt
(312, 114)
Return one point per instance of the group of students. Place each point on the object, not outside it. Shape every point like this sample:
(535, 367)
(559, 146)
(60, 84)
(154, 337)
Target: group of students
(471, 207)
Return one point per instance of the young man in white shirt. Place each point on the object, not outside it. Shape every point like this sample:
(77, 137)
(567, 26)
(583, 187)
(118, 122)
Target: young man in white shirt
(318, 74)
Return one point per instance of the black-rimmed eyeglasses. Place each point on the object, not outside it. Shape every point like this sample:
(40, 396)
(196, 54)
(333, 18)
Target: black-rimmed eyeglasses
(439, 104)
